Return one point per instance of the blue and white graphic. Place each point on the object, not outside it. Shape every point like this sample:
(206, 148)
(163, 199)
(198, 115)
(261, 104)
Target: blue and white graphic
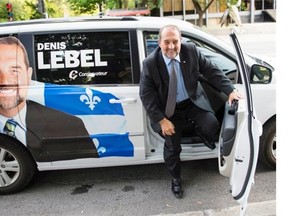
(90, 99)
(104, 121)
(80, 101)
(108, 145)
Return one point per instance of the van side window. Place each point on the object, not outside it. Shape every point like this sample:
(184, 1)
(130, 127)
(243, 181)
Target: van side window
(83, 58)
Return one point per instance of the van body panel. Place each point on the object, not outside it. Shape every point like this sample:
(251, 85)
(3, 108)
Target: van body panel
(83, 108)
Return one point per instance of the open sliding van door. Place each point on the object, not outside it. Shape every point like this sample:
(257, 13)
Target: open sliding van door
(239, 138)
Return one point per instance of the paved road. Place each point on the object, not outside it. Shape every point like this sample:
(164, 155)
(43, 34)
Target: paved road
(142, 190)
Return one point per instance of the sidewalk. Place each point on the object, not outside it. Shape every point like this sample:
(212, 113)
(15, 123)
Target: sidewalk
(246, 28)
(256, 38)
(266, 208)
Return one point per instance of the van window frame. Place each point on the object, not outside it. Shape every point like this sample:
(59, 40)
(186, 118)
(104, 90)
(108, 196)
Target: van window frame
(233, 74)
(28, 40)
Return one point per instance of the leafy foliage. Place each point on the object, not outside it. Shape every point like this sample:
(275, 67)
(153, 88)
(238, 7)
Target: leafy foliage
(28, 9)
(19, 9)
(55, 8)
(85, 6)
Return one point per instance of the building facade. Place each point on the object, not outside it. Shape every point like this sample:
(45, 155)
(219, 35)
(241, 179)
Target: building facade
(185, 10)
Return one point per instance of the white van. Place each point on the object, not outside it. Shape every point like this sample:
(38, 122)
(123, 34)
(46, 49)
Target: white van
(86, 110)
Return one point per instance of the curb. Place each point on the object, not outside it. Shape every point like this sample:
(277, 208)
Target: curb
(265, 208)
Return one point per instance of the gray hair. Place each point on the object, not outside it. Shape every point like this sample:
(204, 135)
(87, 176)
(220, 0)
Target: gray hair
(171, 26)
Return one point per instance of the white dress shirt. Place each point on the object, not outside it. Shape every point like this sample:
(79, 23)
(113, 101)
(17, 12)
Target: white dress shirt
(181, 90)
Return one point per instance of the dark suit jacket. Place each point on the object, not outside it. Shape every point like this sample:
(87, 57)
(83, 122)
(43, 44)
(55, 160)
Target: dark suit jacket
(154, 80)
(53, 135)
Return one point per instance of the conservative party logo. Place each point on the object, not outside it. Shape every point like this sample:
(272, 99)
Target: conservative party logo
(74, 74)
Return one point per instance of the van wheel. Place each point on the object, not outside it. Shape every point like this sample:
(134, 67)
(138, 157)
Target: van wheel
(17, 167)
(267, 148)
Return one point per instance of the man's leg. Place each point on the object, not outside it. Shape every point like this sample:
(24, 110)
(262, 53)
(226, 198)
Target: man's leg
(207, 125)
(172, 150)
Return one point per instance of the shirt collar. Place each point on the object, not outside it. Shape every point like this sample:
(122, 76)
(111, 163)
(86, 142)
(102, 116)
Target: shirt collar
(20, 118)
(167, 60)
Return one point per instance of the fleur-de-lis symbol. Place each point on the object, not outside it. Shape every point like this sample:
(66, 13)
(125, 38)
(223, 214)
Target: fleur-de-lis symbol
(90, 99)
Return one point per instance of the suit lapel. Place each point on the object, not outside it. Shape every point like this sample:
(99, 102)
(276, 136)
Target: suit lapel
(183, 64)
(163, 69)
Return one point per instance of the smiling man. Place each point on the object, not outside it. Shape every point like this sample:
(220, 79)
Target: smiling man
(170, 113)
(50, 135)
(14, 72)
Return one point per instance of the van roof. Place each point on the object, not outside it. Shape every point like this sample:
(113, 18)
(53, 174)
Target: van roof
(92, 22)
(67, 20)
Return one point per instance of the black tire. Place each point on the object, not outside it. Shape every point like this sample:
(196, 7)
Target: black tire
(17, 167)
(267, 148)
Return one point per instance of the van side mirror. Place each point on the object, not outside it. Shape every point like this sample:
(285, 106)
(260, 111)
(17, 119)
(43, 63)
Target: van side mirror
(260, 74)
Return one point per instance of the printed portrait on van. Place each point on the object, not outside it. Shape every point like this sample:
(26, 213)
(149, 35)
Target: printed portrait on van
(54, 118)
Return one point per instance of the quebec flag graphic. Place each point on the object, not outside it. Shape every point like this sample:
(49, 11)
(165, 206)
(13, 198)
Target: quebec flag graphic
(104, 121)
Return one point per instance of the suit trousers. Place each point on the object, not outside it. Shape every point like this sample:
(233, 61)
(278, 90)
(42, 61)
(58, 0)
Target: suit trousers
(188, 111)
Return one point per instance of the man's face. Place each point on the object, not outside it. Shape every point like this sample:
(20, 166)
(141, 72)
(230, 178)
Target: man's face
(170, 42)
(14, 78)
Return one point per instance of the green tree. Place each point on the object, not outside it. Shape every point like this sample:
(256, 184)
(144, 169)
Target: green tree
(32, 7)
(92, 6)
(20, 9)
(55, 8)
(154, 6)
(86, 6)
(201, 8)
(26, 10)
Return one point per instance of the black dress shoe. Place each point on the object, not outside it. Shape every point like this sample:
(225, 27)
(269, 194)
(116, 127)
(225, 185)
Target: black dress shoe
(210, 144)
(176, 187)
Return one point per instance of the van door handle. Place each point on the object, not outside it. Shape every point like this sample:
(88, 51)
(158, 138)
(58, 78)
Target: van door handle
(123, 101)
